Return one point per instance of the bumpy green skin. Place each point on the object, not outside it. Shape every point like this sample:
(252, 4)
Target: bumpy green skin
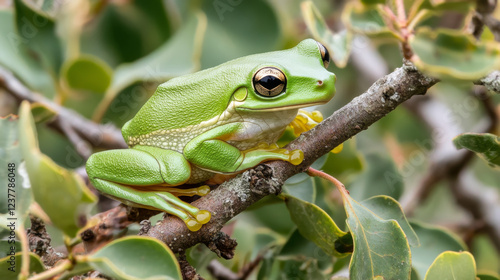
(194, 126)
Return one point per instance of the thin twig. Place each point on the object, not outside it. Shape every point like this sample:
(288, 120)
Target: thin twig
(56, 270)
(77, 128)
(220, 272)
(25, 264)
(445, 161)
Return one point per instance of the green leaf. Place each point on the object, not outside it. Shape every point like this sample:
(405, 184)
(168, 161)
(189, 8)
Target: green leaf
(485, 253)
(38, 33)
(134, 257)
(446, 53)
(452, 266)
(252, 240)
(36, 266)
(6, 247)
(302, 187)
(485, 145)
(373, 2)
(388, 208)
(18, 195)
(433, 241)
(488, 277)
(61, 193)
(123, 32)
(259, 32)
(445, 5)
(42, 113)
(380, 246)
(178, 56)
(339, 44)
(346, 163)
(15, 58)
(87, 73)
(315, 225)
(368, 21)
(381, 177)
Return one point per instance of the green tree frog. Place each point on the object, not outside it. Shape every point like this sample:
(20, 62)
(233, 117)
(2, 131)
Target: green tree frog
(221, 120)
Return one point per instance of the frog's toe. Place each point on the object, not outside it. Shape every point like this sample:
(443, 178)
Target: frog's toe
(203, 216)
(203, 190)
(192, 224)
(296, 157)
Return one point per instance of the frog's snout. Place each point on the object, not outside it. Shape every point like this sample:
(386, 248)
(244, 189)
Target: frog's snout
(327, 83)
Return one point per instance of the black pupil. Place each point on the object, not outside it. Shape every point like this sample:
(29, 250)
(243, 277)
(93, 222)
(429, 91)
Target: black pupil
(270, 82)
(327, 56)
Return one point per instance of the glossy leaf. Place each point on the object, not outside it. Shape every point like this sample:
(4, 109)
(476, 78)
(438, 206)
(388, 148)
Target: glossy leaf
(452, 265)
(61, 193)
(388, 208)
(134, 257)
(433, 241)
(87, 73)
(16, 198)
(178, 56)
(37, 31)
(17, 59)
(368, 21)
(315, 225)
(338, 44)
(380, 246)
(446, 53)
(36, 266)
(485, 145)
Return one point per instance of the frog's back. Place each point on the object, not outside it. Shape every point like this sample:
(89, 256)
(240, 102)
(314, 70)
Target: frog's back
(186, 101)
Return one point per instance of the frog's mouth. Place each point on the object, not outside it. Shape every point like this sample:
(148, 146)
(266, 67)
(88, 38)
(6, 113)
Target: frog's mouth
(283, 108)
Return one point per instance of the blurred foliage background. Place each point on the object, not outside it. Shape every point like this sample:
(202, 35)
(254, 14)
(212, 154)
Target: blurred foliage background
(103, 59)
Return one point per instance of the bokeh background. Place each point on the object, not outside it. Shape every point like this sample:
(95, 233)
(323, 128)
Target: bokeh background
(103, 59)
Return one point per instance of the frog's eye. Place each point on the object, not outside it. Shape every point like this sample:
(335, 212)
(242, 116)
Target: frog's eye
(325, 56)
(269, 81)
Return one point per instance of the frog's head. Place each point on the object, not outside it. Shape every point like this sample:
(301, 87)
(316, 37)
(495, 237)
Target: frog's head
(290, 79)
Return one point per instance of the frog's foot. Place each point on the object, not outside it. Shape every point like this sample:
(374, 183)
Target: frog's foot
(139, 179)
(265, 152)
(305, 121)
(201, 191)
(193, 217)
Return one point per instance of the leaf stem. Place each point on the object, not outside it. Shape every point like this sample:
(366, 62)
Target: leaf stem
(25, 256)
(54, 271)
(317, 173)
(419, 17)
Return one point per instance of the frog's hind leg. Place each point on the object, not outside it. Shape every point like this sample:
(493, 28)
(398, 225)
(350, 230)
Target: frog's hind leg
(126, 174)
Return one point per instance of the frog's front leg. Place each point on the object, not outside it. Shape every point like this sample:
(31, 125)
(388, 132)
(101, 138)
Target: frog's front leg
(136, 176)
(210, 151)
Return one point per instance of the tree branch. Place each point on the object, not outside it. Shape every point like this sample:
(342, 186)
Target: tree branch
(491, 82)
(78, 129)
(237, 194)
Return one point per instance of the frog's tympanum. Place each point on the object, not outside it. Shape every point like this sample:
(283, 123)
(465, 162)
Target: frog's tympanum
(221, 120)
